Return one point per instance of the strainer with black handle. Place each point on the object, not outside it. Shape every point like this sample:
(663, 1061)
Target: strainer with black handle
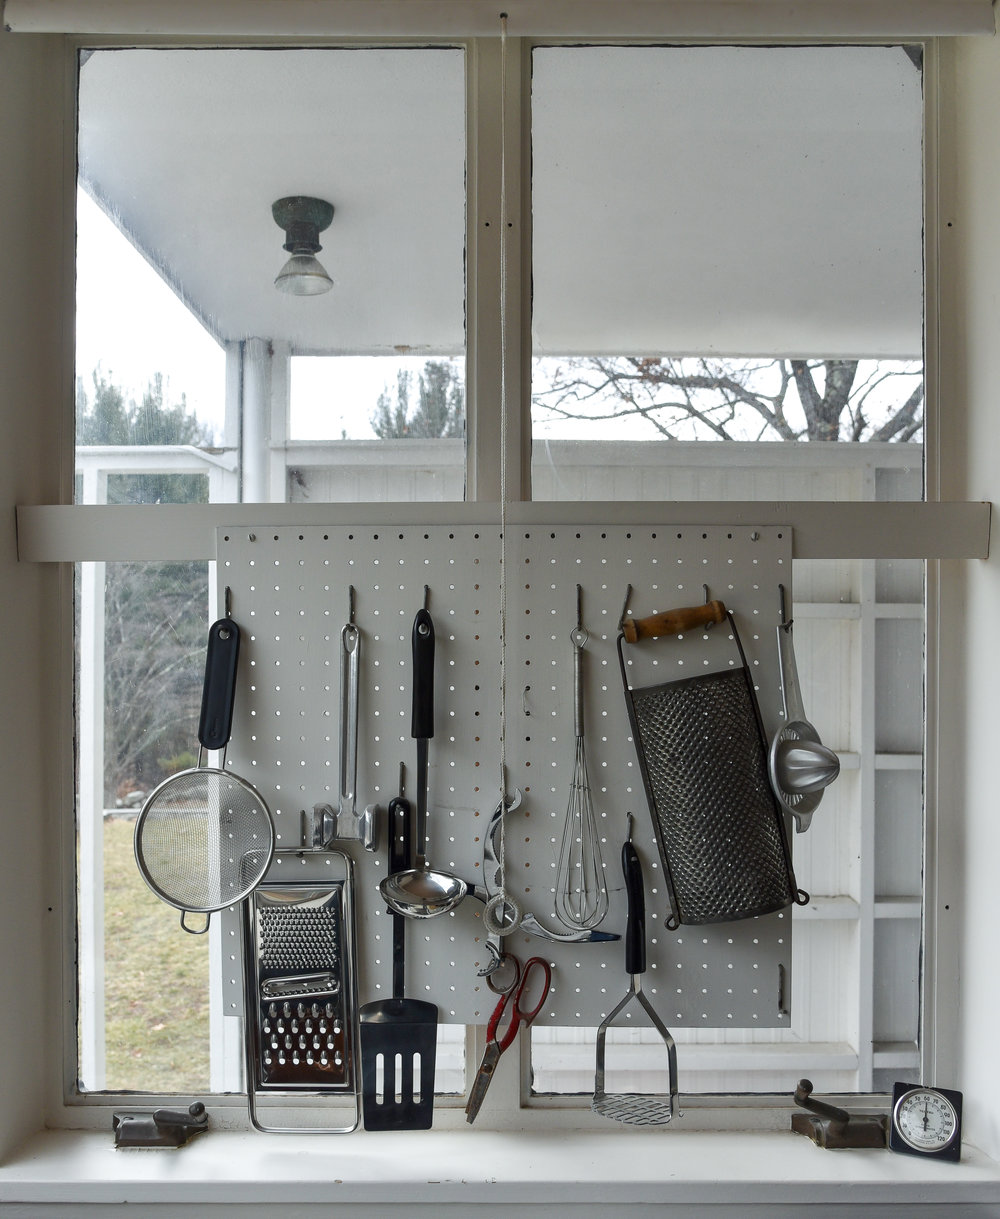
(204, 837)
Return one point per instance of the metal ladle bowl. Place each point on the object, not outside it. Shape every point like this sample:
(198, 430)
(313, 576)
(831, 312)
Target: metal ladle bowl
(423, 892)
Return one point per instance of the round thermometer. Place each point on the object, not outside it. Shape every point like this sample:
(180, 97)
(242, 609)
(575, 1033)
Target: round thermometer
(926, 1121)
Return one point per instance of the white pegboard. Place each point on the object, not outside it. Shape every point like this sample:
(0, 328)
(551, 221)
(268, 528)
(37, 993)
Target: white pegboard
(289, 591)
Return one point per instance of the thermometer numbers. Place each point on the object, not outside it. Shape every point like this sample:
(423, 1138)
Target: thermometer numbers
(926, 1120)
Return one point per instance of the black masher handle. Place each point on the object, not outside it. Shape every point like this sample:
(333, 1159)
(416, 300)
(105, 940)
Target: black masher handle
(422, 723)
(635, 927)
(215, 724)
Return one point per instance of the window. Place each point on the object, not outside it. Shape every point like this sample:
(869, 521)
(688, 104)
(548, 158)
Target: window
(658, 314)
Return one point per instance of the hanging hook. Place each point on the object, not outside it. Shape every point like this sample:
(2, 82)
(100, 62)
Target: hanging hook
(782, 610)
(350, 602)
(628, 598)
(227, 602)
(427, 597)
(525, 709)
(578, 635)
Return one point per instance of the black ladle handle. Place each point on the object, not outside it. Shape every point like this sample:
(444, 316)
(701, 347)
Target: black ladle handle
(422, 722)
(635, 927)
(215, 724)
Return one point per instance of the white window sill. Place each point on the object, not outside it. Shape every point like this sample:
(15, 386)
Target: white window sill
(571, 1171)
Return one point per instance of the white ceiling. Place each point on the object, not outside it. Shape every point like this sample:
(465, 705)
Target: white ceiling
(685, 200)
(188, 149)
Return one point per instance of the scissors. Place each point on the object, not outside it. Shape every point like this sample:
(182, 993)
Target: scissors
(518, 1017)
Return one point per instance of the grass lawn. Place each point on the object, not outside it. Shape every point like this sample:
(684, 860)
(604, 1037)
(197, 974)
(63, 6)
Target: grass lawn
(156, 981)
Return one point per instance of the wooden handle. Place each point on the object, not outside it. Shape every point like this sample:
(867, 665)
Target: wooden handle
(672, 622)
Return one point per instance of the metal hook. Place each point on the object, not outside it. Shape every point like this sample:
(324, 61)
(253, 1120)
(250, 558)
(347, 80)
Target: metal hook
(227, 602)
(628, 598)
(525, 709)
(785, 620)
(350, 601)
(579, 636)
(427, 596)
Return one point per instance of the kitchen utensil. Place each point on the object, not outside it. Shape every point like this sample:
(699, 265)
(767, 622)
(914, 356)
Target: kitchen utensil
(430, 906)
(799, 766)
(702, 754)
(581, 892)
(420, 892)
(519, 1018)
(204, 837)
(398, 1036)
(635, 1109)
(301, 1007)
(325, 825)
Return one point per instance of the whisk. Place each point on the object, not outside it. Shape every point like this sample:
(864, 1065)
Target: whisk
(581, 892)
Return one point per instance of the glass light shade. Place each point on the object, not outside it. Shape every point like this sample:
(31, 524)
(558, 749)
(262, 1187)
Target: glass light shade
(303, 275)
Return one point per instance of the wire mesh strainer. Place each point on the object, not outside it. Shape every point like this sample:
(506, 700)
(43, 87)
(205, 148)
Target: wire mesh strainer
(204, 838)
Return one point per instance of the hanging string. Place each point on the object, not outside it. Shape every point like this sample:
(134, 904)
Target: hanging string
(503, 456)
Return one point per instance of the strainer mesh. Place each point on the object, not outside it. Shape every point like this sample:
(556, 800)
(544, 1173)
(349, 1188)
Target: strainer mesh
(204, 840)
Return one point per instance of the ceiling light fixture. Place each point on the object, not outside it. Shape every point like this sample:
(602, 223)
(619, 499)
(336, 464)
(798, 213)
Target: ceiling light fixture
(303, 219)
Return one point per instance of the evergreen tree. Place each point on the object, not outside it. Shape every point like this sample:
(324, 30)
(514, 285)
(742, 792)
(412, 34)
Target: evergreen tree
(439, 411)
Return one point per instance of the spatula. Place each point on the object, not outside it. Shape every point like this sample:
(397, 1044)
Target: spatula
(398, 1035)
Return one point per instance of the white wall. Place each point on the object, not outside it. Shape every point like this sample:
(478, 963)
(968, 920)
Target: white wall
(969, 793)
(31, 390)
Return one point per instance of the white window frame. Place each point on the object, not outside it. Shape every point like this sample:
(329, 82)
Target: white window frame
(62, 534)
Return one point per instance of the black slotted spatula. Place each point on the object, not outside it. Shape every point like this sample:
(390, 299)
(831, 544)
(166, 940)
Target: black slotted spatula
(398, 1035)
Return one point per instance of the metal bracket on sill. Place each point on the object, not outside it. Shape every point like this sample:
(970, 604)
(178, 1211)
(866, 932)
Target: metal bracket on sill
(158, 1127)
(833, 1128)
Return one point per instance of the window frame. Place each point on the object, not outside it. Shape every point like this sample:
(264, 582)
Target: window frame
(485, 353)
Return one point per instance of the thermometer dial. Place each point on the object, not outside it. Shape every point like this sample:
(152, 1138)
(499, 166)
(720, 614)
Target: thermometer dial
(926, 1121)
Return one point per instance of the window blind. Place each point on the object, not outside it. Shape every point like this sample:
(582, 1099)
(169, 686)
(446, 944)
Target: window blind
(741, 19)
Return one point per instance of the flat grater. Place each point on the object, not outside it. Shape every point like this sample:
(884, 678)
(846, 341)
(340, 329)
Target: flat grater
(702, 753)
(301, 1003)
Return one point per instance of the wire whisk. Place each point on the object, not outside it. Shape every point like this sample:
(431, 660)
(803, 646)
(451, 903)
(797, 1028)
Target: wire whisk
(581, 898)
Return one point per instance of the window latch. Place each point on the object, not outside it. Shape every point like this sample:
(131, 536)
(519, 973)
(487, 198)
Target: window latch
(159, 1127)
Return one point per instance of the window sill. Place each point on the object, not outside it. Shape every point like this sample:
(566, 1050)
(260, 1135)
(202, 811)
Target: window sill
(574, 1170)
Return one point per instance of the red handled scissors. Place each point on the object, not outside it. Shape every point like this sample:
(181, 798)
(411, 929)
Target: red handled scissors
(518, 1017)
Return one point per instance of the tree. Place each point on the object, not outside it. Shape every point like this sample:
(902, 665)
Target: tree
(439, 411)
(767, 399)
(155, 614)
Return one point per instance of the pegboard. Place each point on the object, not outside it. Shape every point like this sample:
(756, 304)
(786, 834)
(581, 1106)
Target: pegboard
(290, 592)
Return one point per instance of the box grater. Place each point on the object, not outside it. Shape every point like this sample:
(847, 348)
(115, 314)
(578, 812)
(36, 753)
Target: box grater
(301, 1003)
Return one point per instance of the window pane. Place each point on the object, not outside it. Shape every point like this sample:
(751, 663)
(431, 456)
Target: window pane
(144, 985)
(727, 251)
(727, 245)
(183, 156)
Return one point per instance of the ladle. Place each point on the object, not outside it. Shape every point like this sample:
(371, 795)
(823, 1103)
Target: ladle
(422, 892)
(799, 765)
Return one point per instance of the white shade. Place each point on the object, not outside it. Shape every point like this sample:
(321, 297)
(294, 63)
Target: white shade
(528, 18)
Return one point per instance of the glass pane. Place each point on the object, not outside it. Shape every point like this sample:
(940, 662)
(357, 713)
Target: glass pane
(200, 172)
(756, 216)
(144, 985)
(727, 251)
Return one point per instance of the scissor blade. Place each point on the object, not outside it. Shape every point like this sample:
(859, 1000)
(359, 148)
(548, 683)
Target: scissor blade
(481, 1084)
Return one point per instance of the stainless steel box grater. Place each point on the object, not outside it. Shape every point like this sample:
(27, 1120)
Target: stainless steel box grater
(301, 1002)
